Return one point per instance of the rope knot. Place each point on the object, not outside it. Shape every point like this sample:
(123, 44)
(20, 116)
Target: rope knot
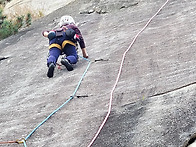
(20, 141)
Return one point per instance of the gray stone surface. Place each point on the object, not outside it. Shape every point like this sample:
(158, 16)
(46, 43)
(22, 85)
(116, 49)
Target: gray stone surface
(154, 101)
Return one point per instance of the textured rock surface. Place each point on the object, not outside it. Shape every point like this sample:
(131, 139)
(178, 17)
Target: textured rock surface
(154, 101)
(35, 7)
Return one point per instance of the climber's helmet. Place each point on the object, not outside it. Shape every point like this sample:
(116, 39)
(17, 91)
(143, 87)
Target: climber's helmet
(66, 20)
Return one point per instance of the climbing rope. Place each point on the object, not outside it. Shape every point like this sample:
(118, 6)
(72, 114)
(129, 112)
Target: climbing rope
(6, 142)
(119, 73)
(23, 140)
(16, 141)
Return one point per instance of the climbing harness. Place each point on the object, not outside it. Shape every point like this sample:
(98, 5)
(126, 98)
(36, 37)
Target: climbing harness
(63, 44)
(119, 73)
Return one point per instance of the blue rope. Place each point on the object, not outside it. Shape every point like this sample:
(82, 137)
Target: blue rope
(48, 118)
(71, 97)
(24, 143)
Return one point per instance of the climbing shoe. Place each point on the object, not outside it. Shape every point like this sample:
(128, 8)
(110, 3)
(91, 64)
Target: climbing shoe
(66, 63)
(51, 70)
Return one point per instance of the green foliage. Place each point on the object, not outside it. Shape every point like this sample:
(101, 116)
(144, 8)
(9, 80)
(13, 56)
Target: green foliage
(8, 27)
(19, 21)
(1, 13)
(28, 19)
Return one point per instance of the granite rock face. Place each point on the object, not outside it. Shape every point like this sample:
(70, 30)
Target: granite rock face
(153, 103)
(37, 8)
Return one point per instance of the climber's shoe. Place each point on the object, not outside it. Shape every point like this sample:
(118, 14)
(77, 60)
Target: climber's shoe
(66, 63)
(51, 68)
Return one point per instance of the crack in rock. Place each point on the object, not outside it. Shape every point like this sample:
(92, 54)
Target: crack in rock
(3, 58)
(172, 90)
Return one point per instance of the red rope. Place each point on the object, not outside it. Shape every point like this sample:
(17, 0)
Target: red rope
(6, 142)
(19, 141)
(119, 73)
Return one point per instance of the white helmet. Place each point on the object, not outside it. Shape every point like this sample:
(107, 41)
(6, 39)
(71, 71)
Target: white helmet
(66, 20)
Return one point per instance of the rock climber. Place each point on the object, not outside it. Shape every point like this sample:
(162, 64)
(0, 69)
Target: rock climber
(63, 40)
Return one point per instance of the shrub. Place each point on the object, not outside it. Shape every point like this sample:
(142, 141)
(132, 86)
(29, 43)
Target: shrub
(8, 27)
(19, 21)
(28, 19)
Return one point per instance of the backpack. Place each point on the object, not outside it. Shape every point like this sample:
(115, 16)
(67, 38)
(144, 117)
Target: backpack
(69, 34)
